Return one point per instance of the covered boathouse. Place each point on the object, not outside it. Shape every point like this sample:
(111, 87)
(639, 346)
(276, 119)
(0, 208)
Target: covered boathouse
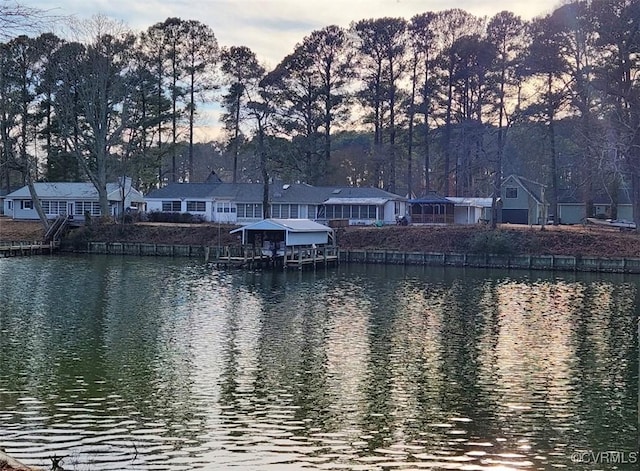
(287, 242)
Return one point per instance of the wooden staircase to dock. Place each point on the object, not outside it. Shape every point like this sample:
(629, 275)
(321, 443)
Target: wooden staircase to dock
(56, 229)
(49, 244)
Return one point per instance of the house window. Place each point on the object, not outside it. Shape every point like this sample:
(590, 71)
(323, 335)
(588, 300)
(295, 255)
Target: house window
(312, 211)
(350, 211)
(196, 206)
(54, 207)
(174, 206)
(26, 204)
(82, 207)
(285, 211)
(249, 210)
(9, 204)
(511, 192)
(225, 207)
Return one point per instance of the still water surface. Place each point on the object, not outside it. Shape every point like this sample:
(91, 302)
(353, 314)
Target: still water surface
(169, 364)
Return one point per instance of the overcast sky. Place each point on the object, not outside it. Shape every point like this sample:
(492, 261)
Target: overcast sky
(271, 28)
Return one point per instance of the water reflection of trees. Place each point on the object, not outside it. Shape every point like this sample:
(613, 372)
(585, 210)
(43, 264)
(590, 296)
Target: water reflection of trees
(362, 363)
(430, 362)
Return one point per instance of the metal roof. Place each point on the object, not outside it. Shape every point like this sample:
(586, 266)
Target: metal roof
(278, 193)
(471, 201)
(430, 198)
(288, 225)
(371, 201)
(184, 190)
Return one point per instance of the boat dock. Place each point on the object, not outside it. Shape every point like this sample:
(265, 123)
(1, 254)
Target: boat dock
(22, 248)
(297, 257)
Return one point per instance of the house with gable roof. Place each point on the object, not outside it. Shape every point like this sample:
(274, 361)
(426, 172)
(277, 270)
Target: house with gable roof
(523, 201)
(74, 199)
(241, 203)
(605, 205)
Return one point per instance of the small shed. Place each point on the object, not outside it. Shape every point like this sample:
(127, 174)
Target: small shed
(286, 233)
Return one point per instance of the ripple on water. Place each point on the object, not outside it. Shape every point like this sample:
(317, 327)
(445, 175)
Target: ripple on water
(371, 369)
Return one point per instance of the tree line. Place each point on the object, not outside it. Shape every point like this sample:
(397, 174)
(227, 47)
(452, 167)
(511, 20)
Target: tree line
(444, 101)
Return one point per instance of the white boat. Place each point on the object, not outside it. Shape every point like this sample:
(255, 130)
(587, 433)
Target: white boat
(617, 223)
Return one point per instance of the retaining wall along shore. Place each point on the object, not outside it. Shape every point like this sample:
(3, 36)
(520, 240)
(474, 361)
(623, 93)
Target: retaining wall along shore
(524, 262)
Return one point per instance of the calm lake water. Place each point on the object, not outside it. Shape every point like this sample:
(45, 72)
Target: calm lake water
(169, 364)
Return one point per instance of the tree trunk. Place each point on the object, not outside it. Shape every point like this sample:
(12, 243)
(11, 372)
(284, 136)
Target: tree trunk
(554, 158)
(36, 201)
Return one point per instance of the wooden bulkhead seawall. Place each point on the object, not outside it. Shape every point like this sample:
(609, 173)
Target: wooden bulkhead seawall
(244, 257)
(21, 249)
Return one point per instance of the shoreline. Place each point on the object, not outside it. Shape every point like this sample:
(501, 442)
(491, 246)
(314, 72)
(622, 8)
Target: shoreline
(575, 248)
(550, 262)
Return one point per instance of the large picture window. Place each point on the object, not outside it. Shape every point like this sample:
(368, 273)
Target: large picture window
(174, 206)
(82, 207)
(285, 211)
(54, 207)
(196, 206)
(249, 210)
(350, 211)
(225, 207)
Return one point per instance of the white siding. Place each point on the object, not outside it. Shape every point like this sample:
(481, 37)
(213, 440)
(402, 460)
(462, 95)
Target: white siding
(466, 214)
(307, 238)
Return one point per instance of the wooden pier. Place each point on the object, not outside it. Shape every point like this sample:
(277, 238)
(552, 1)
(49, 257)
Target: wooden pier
(18, 249)
(297, 257)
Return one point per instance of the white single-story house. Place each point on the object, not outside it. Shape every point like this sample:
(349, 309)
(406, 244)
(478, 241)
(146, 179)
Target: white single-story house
(71, 198)
(241, 203)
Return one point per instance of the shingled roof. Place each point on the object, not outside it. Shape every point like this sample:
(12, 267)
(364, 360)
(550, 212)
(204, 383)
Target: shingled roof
(278, 193)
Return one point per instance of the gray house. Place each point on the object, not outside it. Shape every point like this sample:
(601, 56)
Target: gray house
(572, 209)
(241, 203)
(523, 201)
(74, 199)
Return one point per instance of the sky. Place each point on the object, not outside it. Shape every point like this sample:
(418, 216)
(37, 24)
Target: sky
(272, 28)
